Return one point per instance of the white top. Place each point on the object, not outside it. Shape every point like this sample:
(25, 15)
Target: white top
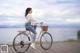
(29, 18)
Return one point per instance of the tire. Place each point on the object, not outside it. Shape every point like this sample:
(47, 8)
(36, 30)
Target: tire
(46, 41)
(17, 43)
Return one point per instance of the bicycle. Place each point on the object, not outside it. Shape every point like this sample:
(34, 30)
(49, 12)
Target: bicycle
(20, 40)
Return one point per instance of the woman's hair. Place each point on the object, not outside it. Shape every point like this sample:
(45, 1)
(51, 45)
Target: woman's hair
(27, 11)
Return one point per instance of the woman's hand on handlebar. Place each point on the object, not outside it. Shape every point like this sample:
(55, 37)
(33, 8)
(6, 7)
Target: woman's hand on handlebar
(39, 24)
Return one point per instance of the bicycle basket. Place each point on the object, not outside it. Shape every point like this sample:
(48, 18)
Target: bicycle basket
(45, 28)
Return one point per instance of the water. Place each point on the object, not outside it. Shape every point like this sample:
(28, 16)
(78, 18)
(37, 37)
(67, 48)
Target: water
(58, 34)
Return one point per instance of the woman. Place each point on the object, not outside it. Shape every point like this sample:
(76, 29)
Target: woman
(30, 24)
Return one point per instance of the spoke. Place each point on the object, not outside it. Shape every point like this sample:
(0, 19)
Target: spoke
(46, 41)
(20, 43)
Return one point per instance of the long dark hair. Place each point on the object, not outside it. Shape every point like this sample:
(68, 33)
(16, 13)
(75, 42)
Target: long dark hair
(27, 11)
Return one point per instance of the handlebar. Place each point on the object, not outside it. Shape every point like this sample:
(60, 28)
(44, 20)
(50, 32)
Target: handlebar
(39, 24)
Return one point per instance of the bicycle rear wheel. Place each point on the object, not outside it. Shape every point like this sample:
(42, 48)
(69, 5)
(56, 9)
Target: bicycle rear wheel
(46, 41)
(20, 44)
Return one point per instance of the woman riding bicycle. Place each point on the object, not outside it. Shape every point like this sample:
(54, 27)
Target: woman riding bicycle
(30, 24)
(22, 41)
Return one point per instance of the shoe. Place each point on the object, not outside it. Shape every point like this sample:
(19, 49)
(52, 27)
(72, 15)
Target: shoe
(33, 45)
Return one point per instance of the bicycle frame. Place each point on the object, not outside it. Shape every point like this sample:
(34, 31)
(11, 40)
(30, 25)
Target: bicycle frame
(30, 33)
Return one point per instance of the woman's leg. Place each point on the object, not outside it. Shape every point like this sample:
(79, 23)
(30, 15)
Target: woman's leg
(32, 29)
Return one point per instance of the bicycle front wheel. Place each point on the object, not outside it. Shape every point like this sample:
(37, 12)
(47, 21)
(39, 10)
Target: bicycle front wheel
(46, 41)
(20, 42)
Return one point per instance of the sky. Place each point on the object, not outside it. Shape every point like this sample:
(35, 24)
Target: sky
(52, 12)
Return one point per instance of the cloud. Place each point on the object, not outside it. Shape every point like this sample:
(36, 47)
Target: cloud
(52, 11)
(73, 20)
